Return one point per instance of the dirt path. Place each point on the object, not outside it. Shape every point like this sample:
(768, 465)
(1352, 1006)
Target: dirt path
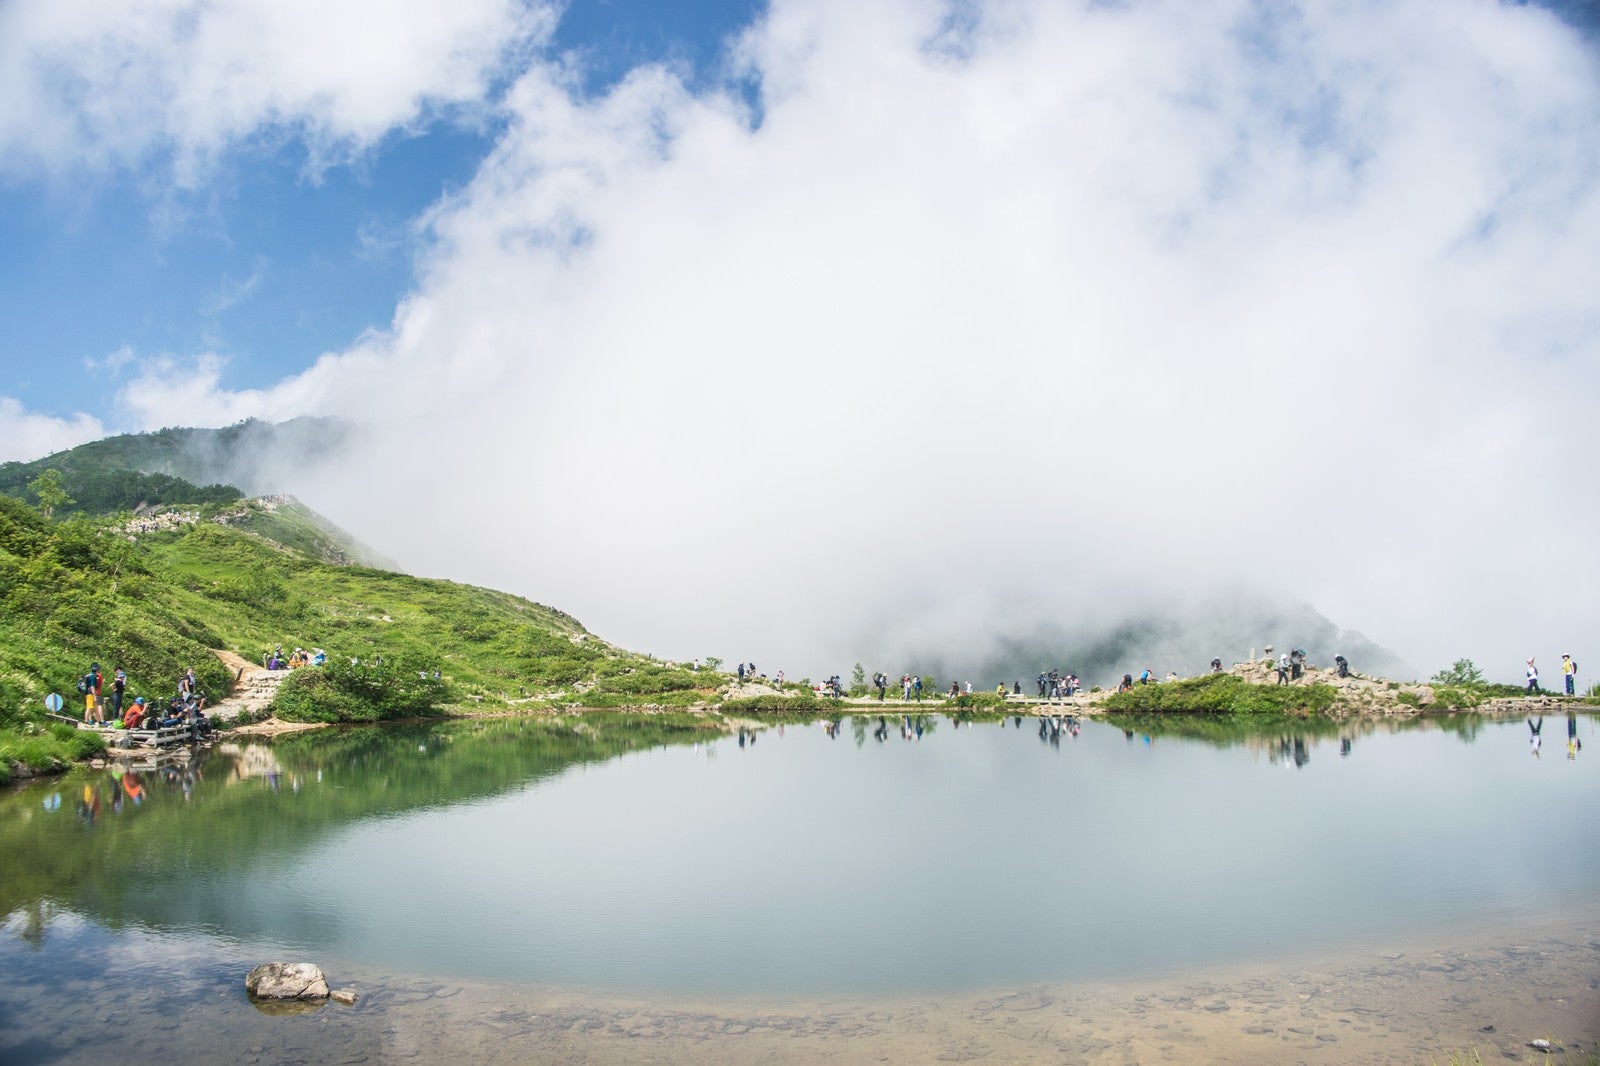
(254, 686)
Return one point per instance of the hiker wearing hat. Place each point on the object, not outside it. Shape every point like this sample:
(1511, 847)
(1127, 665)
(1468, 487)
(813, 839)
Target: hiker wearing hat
(1569, 672)
(135, 713)
(1533, 677)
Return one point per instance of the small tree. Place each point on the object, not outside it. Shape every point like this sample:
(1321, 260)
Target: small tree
(858, 681)
(713, 663)
(48, 490)
(1462, 673)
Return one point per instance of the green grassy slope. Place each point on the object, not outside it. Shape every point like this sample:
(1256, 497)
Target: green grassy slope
(291, 523)
(74, 591)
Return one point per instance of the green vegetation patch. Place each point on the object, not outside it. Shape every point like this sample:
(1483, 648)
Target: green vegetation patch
(47, 749)
(978, 701)
(1222, 694)
(797, 705)
(346, 691)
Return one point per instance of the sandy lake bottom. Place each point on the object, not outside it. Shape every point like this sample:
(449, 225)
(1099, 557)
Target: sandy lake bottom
(1410, 1002)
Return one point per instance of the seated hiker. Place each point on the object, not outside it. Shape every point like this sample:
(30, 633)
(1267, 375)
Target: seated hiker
(174, 713)
(135, 716)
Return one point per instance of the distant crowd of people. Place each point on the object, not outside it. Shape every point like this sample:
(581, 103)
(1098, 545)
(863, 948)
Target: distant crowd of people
(1290, 666)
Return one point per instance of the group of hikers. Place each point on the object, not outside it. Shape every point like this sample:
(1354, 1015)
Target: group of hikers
(275, 660)
(107, 707)
(1569, 675)
(910, 686)
(1055, 685)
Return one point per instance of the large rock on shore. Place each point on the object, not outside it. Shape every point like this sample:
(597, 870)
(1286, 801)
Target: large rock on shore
(286, 980)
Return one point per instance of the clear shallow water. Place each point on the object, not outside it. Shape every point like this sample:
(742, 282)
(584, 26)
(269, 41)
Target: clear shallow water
(615, 854)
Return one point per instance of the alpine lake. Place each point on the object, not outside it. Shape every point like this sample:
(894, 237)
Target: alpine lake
(631, 887)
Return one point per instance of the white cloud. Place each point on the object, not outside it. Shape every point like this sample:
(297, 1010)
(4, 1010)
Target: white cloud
(112, 362)
(25, 436)
(173, 391)
(230, 291)
(91, 84)
(1037, 316)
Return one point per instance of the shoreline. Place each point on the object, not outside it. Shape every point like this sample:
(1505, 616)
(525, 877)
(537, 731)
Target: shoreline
(1373, 700)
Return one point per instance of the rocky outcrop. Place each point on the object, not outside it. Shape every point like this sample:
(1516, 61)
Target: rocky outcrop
(286, 980)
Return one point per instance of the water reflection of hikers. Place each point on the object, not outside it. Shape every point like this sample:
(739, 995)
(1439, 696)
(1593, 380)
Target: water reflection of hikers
(1534, 739)
(1574, 745)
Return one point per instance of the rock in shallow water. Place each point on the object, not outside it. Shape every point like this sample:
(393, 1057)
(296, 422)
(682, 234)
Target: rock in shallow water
(287, 980)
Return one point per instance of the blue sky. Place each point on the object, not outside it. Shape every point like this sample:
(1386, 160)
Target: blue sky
(271, 261)
(1252, 294)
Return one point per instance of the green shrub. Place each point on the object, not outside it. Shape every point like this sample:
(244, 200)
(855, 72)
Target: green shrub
(1457, 697)
(345, 691)
(1462, 673)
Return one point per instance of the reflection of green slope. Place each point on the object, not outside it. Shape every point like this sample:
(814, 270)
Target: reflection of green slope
(1230, 730)
(1227, 731)
(158, 863)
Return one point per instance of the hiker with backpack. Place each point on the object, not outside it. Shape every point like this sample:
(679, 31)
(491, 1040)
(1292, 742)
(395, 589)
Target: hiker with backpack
(1569, 673)
(89, 687)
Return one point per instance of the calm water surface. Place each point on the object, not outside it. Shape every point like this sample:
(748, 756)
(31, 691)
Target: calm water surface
(929, 855)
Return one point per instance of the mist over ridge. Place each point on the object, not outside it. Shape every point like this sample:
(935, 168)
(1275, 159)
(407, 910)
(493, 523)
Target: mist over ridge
(911, 336)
